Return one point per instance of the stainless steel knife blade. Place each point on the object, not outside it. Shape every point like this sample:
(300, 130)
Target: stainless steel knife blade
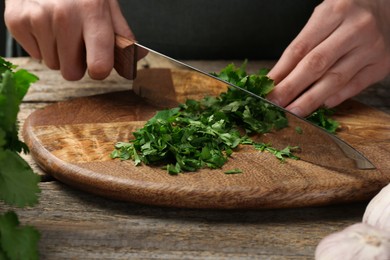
(317, 145)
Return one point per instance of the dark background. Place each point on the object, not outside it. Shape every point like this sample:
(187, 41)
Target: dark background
(2, 30)
(213, 29)
(218, 29)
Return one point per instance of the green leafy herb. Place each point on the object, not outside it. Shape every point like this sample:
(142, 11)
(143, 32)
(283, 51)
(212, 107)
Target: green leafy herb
(18, 183)
(280, 154)
(199, 134)
(16, 241)
(233, 171)
(322, 118)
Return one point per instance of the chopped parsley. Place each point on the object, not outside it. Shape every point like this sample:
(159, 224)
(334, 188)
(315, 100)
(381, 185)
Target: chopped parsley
(287, 152)
(322, 118)
(233, 171)
(203, 134)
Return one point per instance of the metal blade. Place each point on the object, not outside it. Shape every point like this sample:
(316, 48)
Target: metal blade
(317, 145)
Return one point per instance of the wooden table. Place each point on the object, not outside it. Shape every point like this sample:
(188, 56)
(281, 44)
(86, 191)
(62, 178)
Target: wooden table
(77, 225)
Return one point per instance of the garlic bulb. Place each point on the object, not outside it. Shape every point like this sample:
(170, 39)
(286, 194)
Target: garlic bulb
(357, 242)
(377, 213)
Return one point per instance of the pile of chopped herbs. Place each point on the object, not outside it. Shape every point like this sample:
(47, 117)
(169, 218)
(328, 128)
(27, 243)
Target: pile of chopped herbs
(18, 183)
(199, 134)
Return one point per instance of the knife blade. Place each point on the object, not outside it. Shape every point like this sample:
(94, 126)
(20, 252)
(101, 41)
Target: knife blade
(318, 146)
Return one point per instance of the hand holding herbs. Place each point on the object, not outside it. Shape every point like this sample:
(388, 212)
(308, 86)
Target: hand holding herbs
(18, 183)
(199, 134)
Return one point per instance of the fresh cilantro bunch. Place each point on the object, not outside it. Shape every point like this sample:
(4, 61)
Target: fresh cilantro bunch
(204, 133)
(18, 183)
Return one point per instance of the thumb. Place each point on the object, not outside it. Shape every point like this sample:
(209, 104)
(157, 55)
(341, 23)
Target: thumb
(119, 22)
(121, 26)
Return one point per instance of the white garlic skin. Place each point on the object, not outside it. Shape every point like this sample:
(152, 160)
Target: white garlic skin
(357, 242)
(377, 213)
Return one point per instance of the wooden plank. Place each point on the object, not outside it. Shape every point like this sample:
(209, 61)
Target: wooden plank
(75, 225)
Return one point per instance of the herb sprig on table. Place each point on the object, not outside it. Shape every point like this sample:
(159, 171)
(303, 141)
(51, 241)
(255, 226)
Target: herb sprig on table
(18, 183)
(199, 134)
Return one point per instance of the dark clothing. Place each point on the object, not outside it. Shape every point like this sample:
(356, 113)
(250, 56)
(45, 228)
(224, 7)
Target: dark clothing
(218, 29)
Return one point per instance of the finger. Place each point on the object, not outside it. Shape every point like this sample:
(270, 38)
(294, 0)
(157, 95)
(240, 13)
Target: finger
(70, 43)
(122, 28)
(335, 79)
(119, 22)
(28, 42)
(319, 27)
(98, 36)
(48, 48)
(366, 77)
(40, 24)
(314, 65)
(72, 58)
(18, 25)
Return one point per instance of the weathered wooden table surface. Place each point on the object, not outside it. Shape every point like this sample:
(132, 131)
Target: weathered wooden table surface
(77, 225)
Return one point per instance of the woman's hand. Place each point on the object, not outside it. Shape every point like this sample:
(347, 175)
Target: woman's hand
(344, 48)
(68, 35)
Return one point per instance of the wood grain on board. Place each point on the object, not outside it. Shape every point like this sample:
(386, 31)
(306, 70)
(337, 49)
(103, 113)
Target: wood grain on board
(72, 141)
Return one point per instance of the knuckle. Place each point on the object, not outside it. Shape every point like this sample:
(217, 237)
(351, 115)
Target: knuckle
(15, 20)
(11, 19)
(333, 100)
(337, 78)
(299, 49)
(365, 21)
(317, 62)
(341, 7)
(61, 16)
(311, 102)
(336, 7)
(287, 93)
(38, 17)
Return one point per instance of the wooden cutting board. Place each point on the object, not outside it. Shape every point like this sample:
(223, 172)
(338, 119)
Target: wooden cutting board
(72, 141)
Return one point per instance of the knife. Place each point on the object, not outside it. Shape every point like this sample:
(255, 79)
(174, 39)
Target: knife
(317, 146)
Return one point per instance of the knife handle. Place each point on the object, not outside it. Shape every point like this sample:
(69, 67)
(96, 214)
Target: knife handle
(125, 61)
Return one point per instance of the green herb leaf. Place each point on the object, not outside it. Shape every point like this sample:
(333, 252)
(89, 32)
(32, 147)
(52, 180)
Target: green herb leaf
(233, 171)
(322, 118)
(298, 130)
(18, 183)
(287, 152)
(205, 133)
(17, 242)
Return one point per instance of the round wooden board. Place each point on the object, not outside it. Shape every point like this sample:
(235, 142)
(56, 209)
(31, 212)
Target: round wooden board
(72, 141)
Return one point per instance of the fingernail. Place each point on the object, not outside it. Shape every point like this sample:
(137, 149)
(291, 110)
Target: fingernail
(296, 111)
(274, 101)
